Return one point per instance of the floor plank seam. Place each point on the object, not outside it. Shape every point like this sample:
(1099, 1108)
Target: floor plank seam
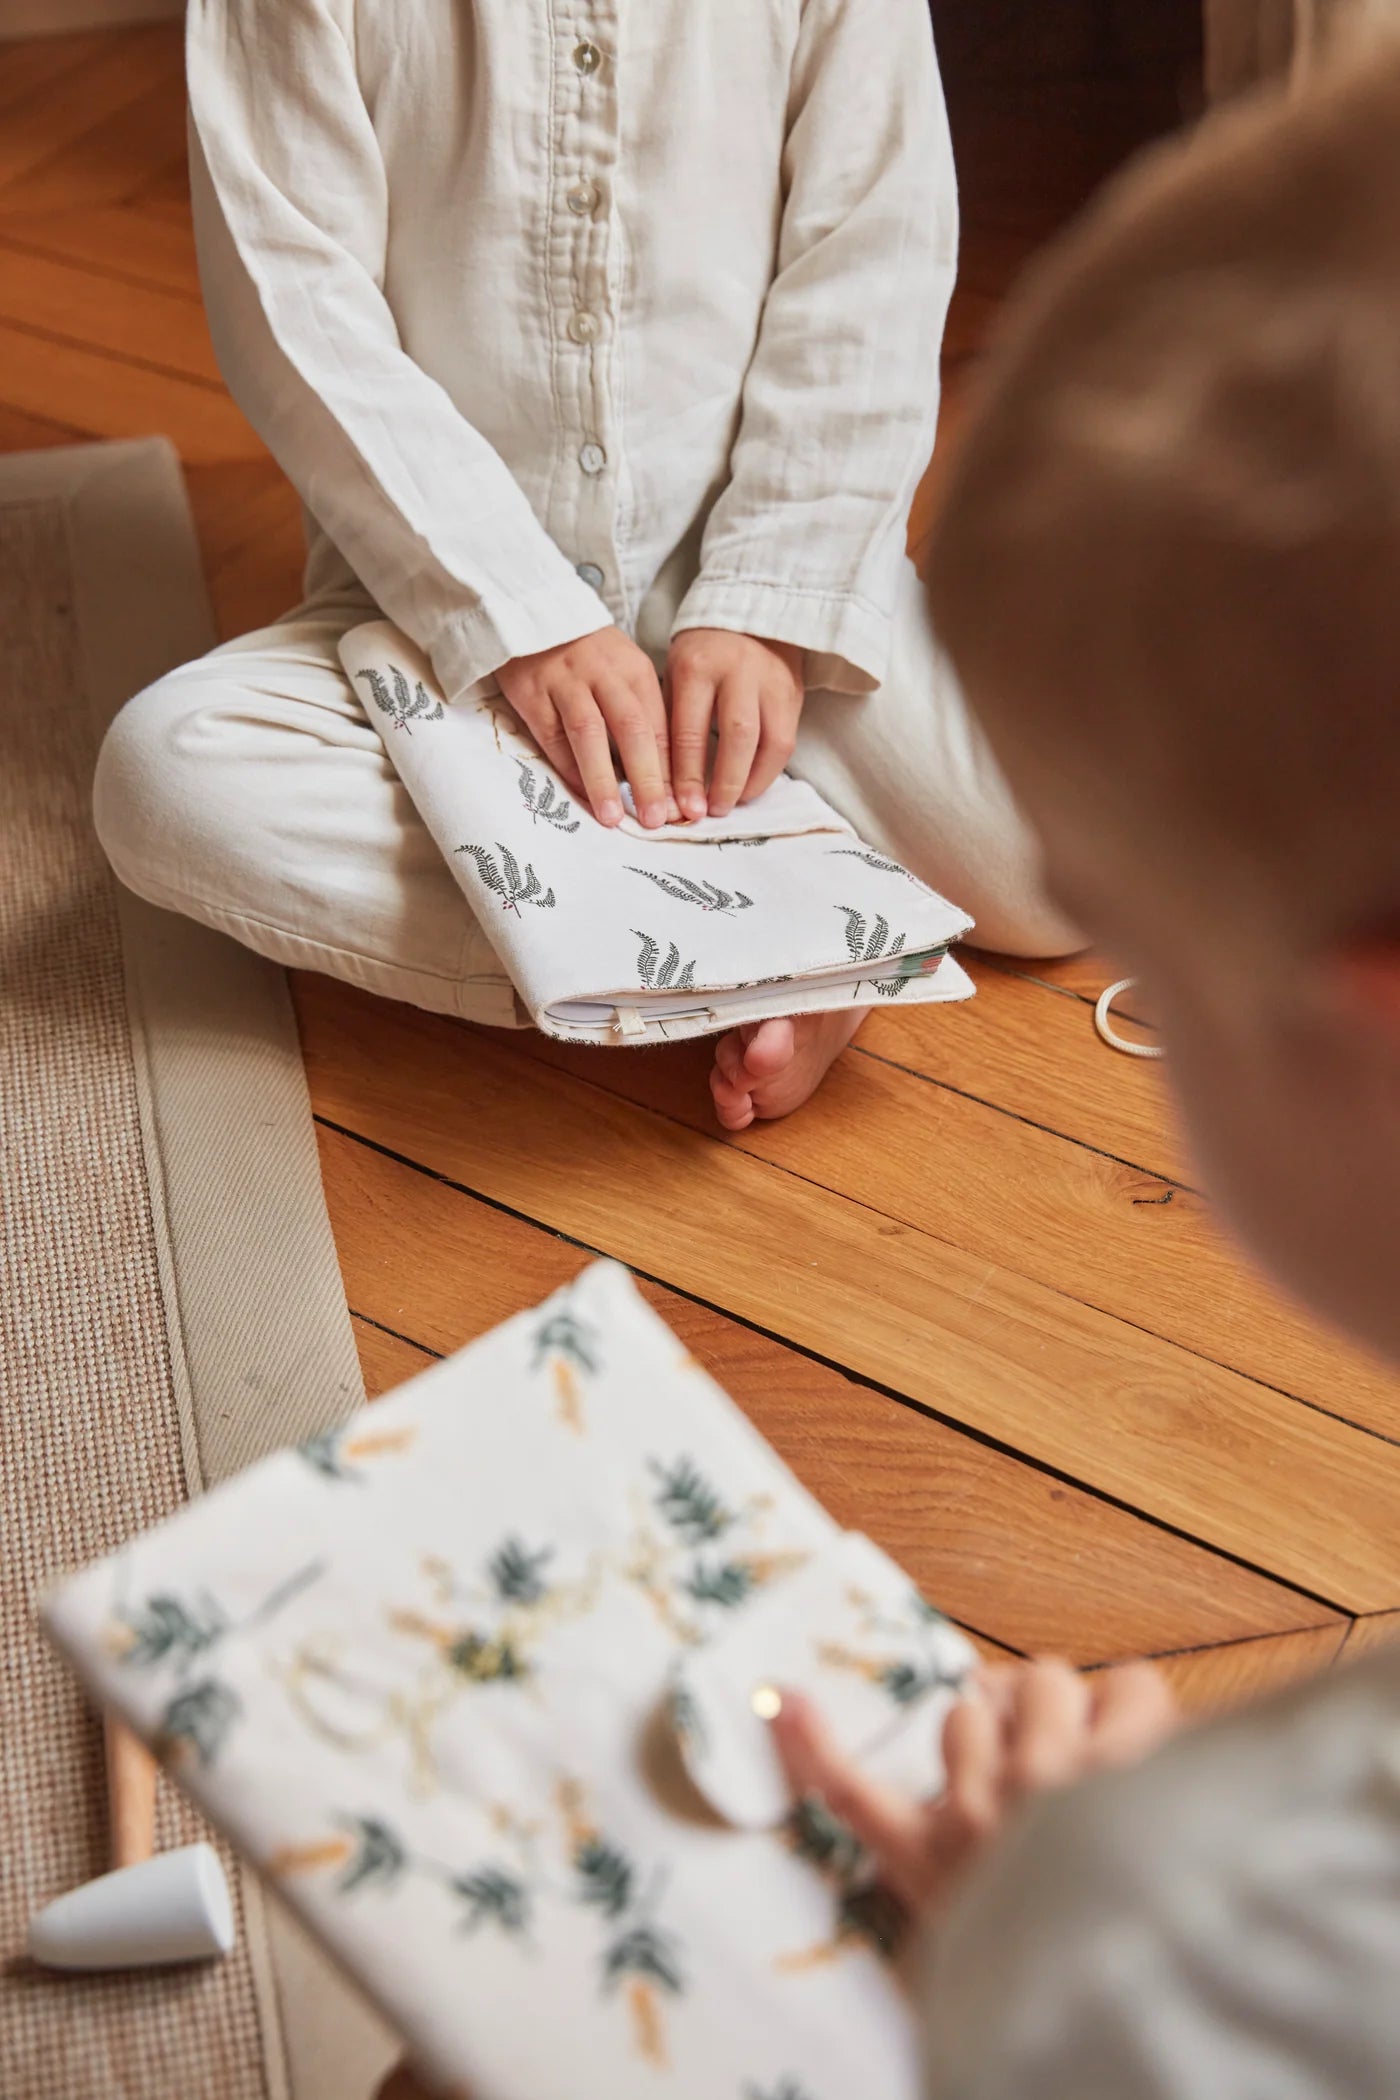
(938, 1239)
(1341, 1627)
(1016, 1115)
(213, 387)
(853, 1378)
(93, 268)
(72, 431)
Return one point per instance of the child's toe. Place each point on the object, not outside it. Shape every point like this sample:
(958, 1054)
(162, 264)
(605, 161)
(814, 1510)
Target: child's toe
(733, 1104)
(770, 1048)
(729, 1058)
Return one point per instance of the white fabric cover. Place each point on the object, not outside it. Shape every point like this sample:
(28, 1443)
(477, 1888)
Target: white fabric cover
(632, 935)
(428, 1673)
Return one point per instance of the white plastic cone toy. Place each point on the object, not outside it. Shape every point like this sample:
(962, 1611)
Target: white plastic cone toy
(173, 1907)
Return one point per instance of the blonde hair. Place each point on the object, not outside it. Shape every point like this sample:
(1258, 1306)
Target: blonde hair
(1172, 530)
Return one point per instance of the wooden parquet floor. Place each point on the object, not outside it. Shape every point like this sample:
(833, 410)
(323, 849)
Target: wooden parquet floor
(973, 1294)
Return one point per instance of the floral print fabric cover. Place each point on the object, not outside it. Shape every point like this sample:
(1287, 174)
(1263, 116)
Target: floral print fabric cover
(425, 1672)
(665, 934)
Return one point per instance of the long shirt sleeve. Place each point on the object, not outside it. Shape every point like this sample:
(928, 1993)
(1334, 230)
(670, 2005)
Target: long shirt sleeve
(294, 211)
(841, 399)
(1221, 1921)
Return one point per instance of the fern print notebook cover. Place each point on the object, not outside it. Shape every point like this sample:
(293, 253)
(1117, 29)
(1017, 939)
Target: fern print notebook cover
(472, 1682)
(636, 935)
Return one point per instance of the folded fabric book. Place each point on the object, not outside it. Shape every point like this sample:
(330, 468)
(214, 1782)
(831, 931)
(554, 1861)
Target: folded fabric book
(629, 935)
(477, 1683)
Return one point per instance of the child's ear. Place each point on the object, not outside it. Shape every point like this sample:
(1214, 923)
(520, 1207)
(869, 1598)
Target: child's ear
(1365, 973)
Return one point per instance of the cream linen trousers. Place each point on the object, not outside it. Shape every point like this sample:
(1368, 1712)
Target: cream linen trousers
(250, 791)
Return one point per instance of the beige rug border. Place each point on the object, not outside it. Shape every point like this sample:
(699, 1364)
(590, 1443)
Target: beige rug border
(227, 1131)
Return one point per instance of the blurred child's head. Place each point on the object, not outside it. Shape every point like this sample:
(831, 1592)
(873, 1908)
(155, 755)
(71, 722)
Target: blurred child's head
(1168, 569)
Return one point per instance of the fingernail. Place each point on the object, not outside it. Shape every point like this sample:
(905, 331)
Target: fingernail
(610, 813)
(720, 809)
(694, 806)
(654, 813)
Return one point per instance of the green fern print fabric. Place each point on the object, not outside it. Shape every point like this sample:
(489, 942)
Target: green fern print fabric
(626, 935)
(451, 1675)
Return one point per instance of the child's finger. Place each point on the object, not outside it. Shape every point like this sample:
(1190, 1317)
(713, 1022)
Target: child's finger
(636, 731)
(973, 1759)
(891, 1827)
(1133, 1710)
(692, 707)
(1048, 1729)
(776, 743)
(647, 686)
(540, 719)
(737, 712)
(588, 739)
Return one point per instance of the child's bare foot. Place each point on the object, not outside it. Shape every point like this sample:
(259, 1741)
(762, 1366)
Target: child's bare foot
(769, 1068)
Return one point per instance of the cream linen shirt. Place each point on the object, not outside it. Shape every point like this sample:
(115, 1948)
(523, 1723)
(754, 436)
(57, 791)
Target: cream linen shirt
(560, 313)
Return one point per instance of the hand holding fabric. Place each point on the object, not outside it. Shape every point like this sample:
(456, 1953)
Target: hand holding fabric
(1027, 1728)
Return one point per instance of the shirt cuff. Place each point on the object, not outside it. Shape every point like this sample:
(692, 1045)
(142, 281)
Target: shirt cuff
(469, 648)
(846, 638)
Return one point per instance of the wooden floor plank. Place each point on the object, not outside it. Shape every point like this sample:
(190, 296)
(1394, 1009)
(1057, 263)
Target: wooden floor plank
(1029, 1050)
(176, 210)
(249, 521)
(33, 69)
(107, 397)
(119, 241)
(166, 185)
(1231, 1463)
(1380, 1629)
(120, 319)
(22, 433)
(1034, 1562)
(1122, 1241)
(1215, 1679)
(118, 157)
(111, 121)
(259, 584)
(1084, 975)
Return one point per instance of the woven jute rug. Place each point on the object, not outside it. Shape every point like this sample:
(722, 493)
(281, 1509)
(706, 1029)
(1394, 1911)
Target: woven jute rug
(170, 1305)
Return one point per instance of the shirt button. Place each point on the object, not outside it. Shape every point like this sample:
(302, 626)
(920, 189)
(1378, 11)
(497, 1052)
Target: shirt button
(585, 327)
(592, 575)
(587, 57)
(592, 458)
(583, 199)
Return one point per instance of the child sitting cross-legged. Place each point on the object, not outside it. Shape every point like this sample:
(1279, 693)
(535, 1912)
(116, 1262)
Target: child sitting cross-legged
(601, 345)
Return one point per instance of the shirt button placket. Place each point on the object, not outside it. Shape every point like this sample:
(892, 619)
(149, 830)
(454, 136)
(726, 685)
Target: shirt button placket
(585, 326)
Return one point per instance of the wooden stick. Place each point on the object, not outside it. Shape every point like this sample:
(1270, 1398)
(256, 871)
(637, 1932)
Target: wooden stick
(131, 1795)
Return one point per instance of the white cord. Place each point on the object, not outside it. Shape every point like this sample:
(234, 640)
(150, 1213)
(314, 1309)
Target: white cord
(1110, 1035)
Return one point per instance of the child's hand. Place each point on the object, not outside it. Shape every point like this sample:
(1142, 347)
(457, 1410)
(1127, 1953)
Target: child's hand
(754, 691)
(579, 700)
(1025, 1728)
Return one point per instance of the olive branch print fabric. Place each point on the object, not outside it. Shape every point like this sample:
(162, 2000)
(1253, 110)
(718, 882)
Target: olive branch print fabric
(451, 1675)
(631, 935)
